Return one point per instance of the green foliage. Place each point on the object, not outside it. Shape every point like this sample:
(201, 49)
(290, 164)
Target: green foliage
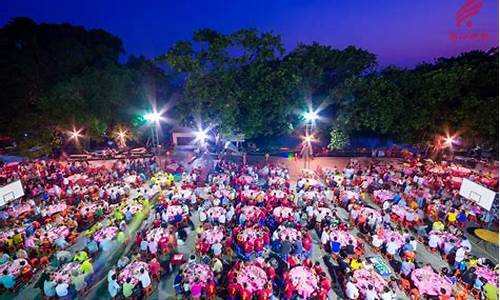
(338, 138)
(458, 93)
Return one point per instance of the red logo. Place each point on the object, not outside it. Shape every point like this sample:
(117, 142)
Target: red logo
(463, 22)
(469, 9)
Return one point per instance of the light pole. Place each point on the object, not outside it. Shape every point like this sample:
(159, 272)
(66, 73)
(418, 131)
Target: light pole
(154, 119)
(310, 118)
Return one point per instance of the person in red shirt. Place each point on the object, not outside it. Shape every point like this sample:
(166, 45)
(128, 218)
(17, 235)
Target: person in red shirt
(247, 248)
(317, 268)
(271, 273)
(259, 245)
(322, 295)
(325, 283)
(210, 290)
(245, 294)
(288, 291)
(264, 293)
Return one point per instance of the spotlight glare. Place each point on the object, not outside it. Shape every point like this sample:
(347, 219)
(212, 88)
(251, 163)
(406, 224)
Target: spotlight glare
(311, 116)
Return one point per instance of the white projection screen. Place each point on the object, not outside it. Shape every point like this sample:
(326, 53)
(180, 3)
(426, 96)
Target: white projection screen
(11, 192)
(477, 193)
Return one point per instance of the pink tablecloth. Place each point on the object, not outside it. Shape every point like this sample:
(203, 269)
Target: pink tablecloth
(56, 232)
(251, 212)
(490, 275)
(321, 212)
(157, 233)
(398, 238)
(14, 267)
(107, 233)
(64, 273)
(277, 194)
(366, 277)
(90, 207)
(200, 271)
(292, 234)
(250, 194)
(254, 276)
(246, 179)
(250, 233)
(343, 237)
(132, 271)
(214, 235)
(282, 212)
(19, 210)
(367, 211)
(429, 282)
(383, 195)
(56, 208)
(304, 281)
(215, 212)
(401, 211)
(173, 210)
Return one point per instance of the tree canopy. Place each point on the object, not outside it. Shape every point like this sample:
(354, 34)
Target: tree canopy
(53, 76)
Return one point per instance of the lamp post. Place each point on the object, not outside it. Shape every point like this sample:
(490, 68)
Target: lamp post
(154, 119)
(310, 118)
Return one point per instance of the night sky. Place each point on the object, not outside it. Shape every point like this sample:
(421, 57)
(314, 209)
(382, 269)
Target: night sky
(400, 32)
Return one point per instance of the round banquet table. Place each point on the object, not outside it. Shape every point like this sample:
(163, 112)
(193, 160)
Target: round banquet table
(246, 179)
(215, 212)
(429, 282)
(282, 212)
(132, 270)
(254, 276)
(201, 271)
(157, 233)
(106, 233)
(366, 211)
(488, 274)
(366, 277)
(212, 236)
(279, 194)
(250, 212)
(292, 233)
(383, 195)
(173, 210)
(250, 194)
(64, 273)
(398, 238)
(304, 281)
(250, 233)
(343, 237)
(90, 207)
(487, 235)
(321, 212)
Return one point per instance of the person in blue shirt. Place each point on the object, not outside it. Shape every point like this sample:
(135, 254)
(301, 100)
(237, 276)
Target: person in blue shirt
(335, 245)
(128, 215)
(49, 287)
(7, 280)
(396, 198)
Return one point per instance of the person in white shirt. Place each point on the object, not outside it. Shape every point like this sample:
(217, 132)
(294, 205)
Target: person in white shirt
(459, 255)
(434, 241)
(370, 293)
(392, 247)
(351, 290)
(387, 294)
(62, 289)
(376, 241)
(144, 278)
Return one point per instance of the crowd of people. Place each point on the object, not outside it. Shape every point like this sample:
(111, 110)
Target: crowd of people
(254, 231)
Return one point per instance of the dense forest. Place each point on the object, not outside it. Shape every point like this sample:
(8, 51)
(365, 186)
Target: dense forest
(55, 76)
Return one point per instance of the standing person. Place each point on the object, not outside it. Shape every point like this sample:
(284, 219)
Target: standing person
(113, 286)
